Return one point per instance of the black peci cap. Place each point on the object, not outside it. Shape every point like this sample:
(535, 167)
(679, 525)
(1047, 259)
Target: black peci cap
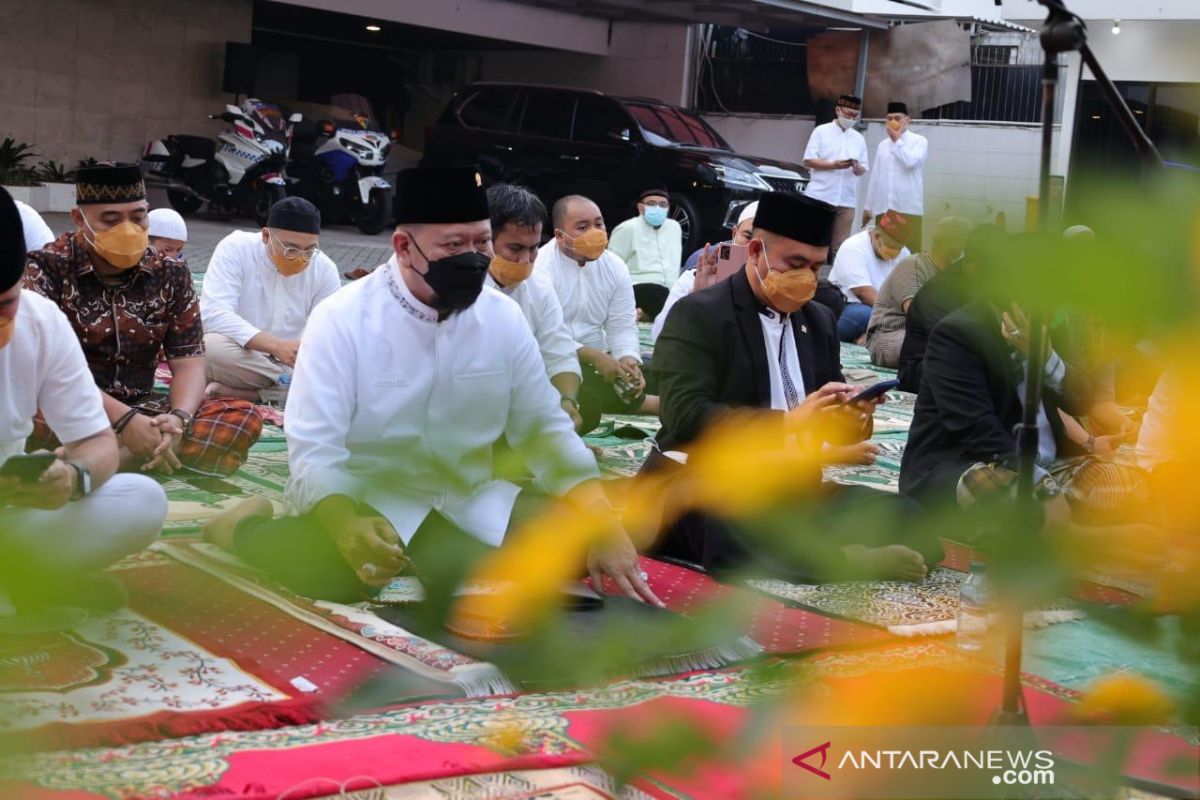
(12, 242)
(796, 216)
(294, 214)
(446, 195)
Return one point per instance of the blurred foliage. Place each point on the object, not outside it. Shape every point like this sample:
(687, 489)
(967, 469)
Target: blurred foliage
(14, 171)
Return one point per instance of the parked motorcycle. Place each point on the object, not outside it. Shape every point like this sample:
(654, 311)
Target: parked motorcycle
(238, 174)
(337, 164)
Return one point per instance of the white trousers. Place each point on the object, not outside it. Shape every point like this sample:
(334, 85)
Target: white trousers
(122, 517)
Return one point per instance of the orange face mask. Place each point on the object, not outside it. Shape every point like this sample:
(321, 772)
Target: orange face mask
(286, 266)
(121, 245)
(894, 124)
(591, 245)
(509, 273)
(6, 330)
(786, 292)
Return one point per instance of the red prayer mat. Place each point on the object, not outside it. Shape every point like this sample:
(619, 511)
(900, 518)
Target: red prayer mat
(189, 655)
(443, 740)
(779, 629)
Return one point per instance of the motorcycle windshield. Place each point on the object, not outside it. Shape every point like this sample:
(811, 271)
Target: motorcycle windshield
(269, 116)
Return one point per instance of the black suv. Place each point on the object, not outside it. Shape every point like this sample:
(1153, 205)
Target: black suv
(562, 141)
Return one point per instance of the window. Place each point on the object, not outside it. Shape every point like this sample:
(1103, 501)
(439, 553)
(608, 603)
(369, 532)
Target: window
(492, 109)
(601, 121)
(667, 125)
(549, 114)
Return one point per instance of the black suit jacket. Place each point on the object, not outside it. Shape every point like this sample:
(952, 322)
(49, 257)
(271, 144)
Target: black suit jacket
(711, 359)
(967, 408)
(933, 302)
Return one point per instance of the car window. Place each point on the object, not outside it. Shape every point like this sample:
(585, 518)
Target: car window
(492, 109)
(674, 126)
(549, 114)
(602, 121)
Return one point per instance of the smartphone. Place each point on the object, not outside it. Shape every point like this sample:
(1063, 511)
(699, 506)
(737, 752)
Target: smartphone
(730, 259)
(27, 468)
(874, 392)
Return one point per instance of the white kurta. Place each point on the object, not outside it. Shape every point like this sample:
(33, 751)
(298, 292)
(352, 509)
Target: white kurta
(857, 266)
(391, 407)
(245, 295)
(681, 289)
(597, 300)
(542, 311)
(898, 177)
(837, 187)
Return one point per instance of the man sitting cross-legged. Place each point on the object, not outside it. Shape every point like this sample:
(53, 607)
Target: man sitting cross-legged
(75, 516)
(754, 346)
(128, 304)
(259, 291)
(596, 294)
(406, 382)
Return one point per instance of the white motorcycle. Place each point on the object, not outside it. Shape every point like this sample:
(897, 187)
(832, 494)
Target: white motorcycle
(241, 173)
(337, 165)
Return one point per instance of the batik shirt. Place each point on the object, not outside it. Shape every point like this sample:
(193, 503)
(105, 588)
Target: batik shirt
(122, 327)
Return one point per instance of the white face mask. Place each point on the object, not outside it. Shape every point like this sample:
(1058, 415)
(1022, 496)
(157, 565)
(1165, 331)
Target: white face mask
(846, 123)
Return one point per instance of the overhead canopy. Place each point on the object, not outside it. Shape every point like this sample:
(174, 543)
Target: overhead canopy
(751, 14)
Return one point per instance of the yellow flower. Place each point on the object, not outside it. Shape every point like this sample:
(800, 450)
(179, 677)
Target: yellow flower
(1124, 699)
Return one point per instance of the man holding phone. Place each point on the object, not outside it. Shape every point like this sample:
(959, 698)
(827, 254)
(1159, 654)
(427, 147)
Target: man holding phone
(65, 514)
(757, 345)
(837, 157)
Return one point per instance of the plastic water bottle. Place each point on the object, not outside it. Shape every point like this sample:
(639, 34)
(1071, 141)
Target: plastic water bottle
(974, 600)
(285, 377)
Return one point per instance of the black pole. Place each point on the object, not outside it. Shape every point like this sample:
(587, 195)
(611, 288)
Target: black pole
(1062, 32)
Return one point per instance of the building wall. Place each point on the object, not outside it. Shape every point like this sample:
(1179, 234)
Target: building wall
(88, 78)
(648, 60)
(974, 170)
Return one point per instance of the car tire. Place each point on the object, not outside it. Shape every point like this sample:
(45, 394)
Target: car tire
(683, 211)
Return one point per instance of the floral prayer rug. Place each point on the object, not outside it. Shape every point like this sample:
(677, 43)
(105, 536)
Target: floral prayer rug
(564, 783)
(195, 499)
(187, 656)
(450, 741)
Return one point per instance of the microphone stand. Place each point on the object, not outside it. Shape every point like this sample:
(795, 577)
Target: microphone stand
(1063, 32)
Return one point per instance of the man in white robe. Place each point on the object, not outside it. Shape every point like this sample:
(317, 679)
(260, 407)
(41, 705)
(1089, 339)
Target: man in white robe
(407, 380)
(259, 291)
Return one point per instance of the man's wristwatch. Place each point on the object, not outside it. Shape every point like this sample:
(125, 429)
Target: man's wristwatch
(1089, 446)
(571, 400)
(83, 482)
(183, 416)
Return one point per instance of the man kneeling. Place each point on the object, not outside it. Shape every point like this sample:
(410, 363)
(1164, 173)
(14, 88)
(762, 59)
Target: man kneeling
(407, 380)
(74, 516)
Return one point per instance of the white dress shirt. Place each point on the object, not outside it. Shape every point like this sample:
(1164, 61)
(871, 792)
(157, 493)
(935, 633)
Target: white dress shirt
(244, 294)
(777, 332)
(542, 311)
(681, 289)
(898, 179)
(653, 255)
(391, 407)
(597, 300)
(42, 368)
(37, 232)
(856, 265)
(837, 187)
(1054, 372)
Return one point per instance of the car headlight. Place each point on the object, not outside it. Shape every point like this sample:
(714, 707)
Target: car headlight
(740, 178)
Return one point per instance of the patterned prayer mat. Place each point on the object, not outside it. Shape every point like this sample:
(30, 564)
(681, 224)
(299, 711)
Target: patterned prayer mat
(437, 741)
(927, 608)
(188, 656)
(565, 783)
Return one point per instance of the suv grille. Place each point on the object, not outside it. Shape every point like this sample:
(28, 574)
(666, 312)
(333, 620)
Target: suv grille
(783, 184)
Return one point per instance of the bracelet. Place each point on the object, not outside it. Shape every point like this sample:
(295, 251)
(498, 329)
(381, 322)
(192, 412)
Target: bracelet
(571, 400)
(121, 424)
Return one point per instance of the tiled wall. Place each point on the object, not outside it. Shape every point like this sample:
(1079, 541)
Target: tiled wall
(974, 170)
(98, 78)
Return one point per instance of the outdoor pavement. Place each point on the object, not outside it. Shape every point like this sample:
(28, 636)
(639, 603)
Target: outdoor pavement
(348, 248)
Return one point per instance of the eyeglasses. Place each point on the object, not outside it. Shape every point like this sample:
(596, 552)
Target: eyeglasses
(293, 253)
(656, 203)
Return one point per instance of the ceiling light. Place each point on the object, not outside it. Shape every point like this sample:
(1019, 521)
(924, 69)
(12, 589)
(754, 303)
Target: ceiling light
(1116, 26)
(374, 28)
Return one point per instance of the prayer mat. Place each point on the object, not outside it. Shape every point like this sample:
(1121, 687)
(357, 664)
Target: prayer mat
(620, 451)
(565, 783)
(430, 662)
(188, 656)
(450, 741)
(195, 499)
(903, 608)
